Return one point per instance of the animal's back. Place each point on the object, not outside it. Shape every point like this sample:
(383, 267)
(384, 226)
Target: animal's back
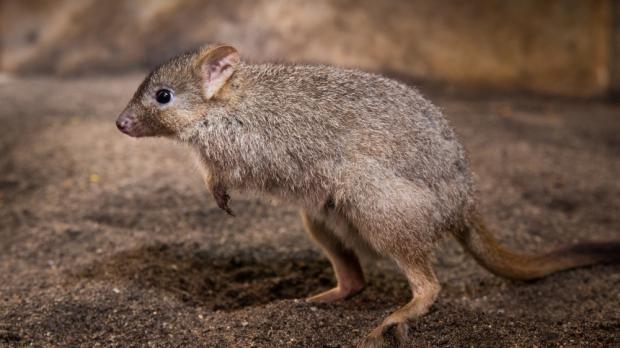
(355, 119)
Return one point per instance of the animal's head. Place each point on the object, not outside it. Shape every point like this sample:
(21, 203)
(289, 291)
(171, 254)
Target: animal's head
(177, 94)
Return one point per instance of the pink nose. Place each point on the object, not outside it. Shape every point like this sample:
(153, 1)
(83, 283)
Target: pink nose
(123, 123)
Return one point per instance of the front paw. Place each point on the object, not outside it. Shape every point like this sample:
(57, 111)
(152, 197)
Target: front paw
(221, 198)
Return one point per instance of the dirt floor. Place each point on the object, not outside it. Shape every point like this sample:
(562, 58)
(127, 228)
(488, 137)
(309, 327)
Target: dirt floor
(111, 241)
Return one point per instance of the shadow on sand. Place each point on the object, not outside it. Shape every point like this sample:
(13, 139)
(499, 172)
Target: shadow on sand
(222, 283)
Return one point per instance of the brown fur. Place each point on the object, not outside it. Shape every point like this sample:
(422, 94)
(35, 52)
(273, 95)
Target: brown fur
(374, 166)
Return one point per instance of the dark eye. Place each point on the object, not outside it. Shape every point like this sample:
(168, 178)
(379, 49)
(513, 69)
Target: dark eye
(163, 96)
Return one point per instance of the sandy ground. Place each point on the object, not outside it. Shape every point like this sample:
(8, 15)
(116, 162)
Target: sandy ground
(109, 241)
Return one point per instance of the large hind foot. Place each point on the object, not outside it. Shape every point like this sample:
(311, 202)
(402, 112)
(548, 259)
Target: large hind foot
(341, 292)
(386, 336)
(393, 331)
(347, 269)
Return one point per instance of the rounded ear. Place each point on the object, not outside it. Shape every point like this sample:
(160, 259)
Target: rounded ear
(216, 66)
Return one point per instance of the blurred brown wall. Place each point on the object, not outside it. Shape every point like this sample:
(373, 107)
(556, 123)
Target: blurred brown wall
(564, 47)
(615, 50)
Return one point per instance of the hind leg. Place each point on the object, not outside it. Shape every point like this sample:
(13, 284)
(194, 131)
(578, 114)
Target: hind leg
(401, 221)
(424, 286)
(349, 274)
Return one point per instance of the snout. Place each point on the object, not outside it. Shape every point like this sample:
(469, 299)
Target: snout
(123, 123)
(126, 123)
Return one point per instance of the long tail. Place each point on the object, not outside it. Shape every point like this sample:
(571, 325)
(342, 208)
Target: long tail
(506, 263)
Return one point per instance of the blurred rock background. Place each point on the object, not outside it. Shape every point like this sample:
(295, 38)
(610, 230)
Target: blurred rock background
(558, 47)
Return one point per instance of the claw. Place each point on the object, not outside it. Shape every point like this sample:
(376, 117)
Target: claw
(391, 335)
(221, 198)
